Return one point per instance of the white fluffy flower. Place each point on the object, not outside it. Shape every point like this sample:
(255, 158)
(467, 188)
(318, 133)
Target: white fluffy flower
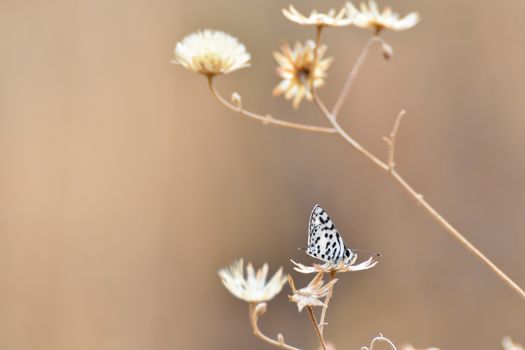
(254, 287)
(329, 19)
(371, 17)
(211, 52)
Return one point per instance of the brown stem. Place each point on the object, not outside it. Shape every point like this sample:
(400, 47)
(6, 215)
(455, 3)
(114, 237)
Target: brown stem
(326, 301)
(255, 311)
(318, 31)
(391, 141)
(353, 73)
(265, 119)
(455, 233)
(316, 326)
(345, 136)
(419, 199)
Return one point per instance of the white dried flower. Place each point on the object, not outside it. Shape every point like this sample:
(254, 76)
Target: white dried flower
(371, 17)
(341, 266)
(211, 52)
(329, 19)
(299, 68)
(508, 344)
(253, 288)
(310, 295)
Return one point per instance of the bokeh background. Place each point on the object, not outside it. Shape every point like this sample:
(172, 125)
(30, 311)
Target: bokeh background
(124, 186)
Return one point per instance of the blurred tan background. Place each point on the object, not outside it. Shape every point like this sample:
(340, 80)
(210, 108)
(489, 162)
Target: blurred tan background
(124, 186)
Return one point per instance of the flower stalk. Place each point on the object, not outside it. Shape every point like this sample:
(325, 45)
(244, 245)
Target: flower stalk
(267, 119)
(355, 69)
(257, 310)
(326, 302)
(379, 339)
(317, 327)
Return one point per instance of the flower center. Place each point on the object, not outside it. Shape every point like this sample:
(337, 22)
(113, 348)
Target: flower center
(303, 74)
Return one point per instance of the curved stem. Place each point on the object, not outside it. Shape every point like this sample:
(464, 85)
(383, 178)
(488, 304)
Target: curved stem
(316, 326)
(417, 196)
(255, 312)
(265, 119)
(380, 338)
(326, 301)
(353, 73)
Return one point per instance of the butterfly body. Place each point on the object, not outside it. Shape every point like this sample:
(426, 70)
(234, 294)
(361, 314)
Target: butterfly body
(324, 241)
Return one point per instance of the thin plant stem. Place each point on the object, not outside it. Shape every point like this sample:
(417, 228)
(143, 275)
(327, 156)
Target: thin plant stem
(391, 140)
(339, 130)
(316, 326)
(326, 301)
(353, 73)
(379, 339)
(268, 119)
(417, 196)
(455, 233)
(255, 312)
(318, 31)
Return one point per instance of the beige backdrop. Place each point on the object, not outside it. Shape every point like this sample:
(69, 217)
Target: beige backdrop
(124, 186)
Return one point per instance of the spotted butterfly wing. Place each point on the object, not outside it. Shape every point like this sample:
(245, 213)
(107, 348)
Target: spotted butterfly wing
(324, 242)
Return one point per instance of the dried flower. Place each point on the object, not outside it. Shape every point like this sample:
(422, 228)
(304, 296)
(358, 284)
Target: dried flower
(299, 68)
(254, 287)
(329, 19)
(211, 52)
(341, 266)
(508, 344)
(310, 295)
(370, 17)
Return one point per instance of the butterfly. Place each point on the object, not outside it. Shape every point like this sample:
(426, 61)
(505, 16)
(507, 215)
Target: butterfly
(324, 241)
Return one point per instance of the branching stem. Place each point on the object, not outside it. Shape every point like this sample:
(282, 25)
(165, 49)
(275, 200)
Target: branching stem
(268, 119)
(339, 130)
(257, 310)
(388, 166)
(391, 141)
(418, 197)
